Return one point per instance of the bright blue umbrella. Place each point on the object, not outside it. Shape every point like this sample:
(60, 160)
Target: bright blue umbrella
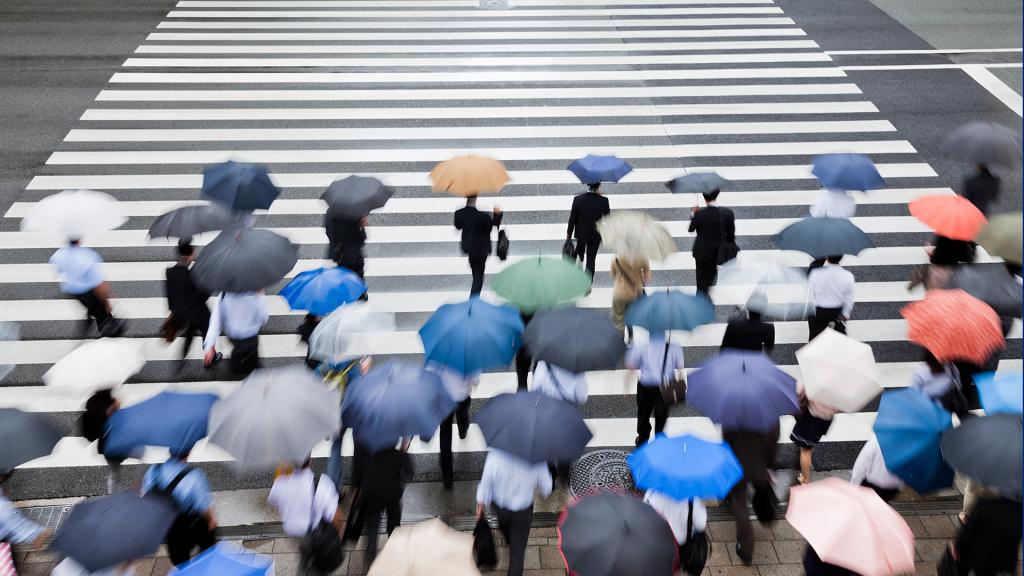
(847, 172)
(670, 310)
(472, 336)
(174, 420)
(321, 291)
(592, 169)
(225, 560)
(1002, 392)
(909, 428)
(742, 390)
(239, 186)
(685, 467)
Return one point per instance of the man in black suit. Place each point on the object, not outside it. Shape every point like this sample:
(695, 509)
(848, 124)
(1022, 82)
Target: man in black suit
(714, 226)
(587, 209)
(749, 333)
(186, 301)
(476, 238)
(380, 479)
(982, 188)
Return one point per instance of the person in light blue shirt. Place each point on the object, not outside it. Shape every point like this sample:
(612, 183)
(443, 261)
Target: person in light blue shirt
(560, 384)
(657, 360)
(240, 316)
(81, 277)
(15, 528)
(189, 491)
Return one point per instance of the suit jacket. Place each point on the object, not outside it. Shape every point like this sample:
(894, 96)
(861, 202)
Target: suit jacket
(184, 298)
(713, 225)
(381, 476)
(344, 238)
(587, 209)
(476, 230)
(756, 453)
(982, 189)
(746, 334)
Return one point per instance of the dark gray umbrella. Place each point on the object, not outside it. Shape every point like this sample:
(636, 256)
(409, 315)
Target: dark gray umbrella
(534, 427)
(24, 437)
(188, 221)
(103, 532)
(244, 260)
(822, 237)
(354, 196)
(696, 183)
(991, 284)
(988, 450)
(610, 534)
(984, 143)
(575, 339)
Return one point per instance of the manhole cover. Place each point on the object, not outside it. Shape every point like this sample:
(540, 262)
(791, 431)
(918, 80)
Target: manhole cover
(600, 470)
(494, 4)
(47, 516)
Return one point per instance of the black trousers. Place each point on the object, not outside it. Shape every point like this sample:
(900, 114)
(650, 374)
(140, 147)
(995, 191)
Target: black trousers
(885, 494)
(461, 416)
(821, 319)
(197, 322)
(188, 532)
(586, 251)
(476, 266)
(515, 528)
(648, 400)
(707, 274)
(372, 509)
(245, 355)
(94, 307)
(524, 362)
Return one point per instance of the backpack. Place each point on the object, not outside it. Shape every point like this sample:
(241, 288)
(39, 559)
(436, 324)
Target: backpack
(321, 547)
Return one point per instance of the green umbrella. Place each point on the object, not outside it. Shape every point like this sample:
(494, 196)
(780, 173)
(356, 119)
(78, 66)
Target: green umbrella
(536, 283)
(1002, 237)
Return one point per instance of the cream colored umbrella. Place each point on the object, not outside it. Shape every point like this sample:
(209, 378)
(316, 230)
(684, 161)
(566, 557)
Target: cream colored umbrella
(469, 176)
(97, 365)
(839, 371)
(633, 234)
(429, 548)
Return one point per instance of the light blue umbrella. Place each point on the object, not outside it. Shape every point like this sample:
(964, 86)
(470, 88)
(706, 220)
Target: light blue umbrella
(472, 336)
(847, 172)
(685, 467)
(1001, 393)
(174, 420)
(592, 169)
(909, 428)
(239, 186)
(670, 310)
(696, 183)
(323, 290)
(225, 560)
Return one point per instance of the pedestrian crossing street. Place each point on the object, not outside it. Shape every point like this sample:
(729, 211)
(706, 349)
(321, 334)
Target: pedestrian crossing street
(318, 89)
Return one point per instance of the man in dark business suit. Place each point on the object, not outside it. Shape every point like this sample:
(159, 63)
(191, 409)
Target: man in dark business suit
(587, 209)
(749, 333)
(186, 301)
(476, 238)
(713, 226)
(982, 188)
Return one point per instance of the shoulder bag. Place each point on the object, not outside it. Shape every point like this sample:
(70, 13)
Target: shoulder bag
(726, 250)
(955, 400)
(484, 550)
(501, 249)
(694, 553)
(673, 390)
(321, 547)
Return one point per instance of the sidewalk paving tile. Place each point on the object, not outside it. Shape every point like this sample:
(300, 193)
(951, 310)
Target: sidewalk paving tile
(939, 526)
(551, 558)
(930, 550)
(782, 530)
(731, 571)
(258, 546)
(916, 526)
(790, 551)
(781, 570)
(763, 554)
(720, 554)
(924, 568)
(286, 545)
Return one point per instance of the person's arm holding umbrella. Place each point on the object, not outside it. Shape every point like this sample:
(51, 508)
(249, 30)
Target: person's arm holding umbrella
(213, 332)
(848, 299)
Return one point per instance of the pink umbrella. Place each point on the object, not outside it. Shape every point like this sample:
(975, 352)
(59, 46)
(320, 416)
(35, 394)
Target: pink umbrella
(851, 527)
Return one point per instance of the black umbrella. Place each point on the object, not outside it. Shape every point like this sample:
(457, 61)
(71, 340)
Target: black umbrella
(984, 143)
(822, 237)
(354, 196)
(24, 437)
(610, 534)
(244, 260)
(988, 450)
(534, 427)
(103, 532)
(188, 221)
(991, 284)
(575, 339)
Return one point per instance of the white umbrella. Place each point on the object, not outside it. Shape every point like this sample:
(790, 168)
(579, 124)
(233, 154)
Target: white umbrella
(770, 289)
(636, 235)
(330, 339)
(97, 365)
(429, 548)
(74, 213)
(839, 371)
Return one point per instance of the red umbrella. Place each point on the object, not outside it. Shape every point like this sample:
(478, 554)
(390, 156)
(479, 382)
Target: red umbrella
(950, 216)
(953, 325)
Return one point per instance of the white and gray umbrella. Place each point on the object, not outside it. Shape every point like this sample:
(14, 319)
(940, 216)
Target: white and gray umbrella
(74, 214)
(767, 288)
(984, 143)
(636, 235)
(97, 365)
(332, 337)
(244, 260)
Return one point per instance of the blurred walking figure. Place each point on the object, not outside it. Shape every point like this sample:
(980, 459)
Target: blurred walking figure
(833, 204)
(756, 453)
(188, 490)
(15, 529)
(869, 471)
(346, 238)
(187, 302)
(831, 294)
(380, 479)
(989, 540)
(715, 228)
(749, 332)
(476, 238)
(98, 410)
(677, 513)
(813, 422)
(936, 379)
(587, 209)
(304, 503)
(305, 331)
(81, 277)
(560, 384)
(459, 388)
(982, 188)
(656, 360)
(240, 316)
(629, 275)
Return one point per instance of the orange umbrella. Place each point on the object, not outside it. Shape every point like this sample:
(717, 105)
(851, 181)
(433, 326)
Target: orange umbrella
(469, 175)
(953, 325)
(950, 216)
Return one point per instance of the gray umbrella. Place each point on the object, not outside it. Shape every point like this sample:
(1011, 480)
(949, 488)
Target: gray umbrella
(575, 339)
(188, 221)
(988, 450)
(984, 143)
(991, 284)
(244, 260)
(354, 196)
(24, 437)
(823, 237)
(696, 183)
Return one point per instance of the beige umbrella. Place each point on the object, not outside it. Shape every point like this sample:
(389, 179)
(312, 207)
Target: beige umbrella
(634, 234)
(429, 548)
(469, 175)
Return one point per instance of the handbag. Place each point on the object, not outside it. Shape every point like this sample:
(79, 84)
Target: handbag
(483, 545)
(321, 547)
(673, 390)
(694, 553)
(502, 248)
(356, 520)
(169, 328)
(726, 250)
(569, 248)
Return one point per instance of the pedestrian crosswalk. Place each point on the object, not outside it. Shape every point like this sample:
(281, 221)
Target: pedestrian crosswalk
(318, 89)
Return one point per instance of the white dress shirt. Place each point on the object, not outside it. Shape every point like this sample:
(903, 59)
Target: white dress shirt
(676, 513)
(300, 509)
(509, 481)
(931, 384)
(560, 384)
(80, 269)
(831, 286)
(239, 315)
(871, 467)
(834, 204)
(649, 358)
(458, 386)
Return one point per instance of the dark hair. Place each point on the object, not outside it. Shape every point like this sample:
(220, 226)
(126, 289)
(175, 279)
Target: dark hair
(933, 362)
(73, 241)
(94, 420)
(594, 186)
(711, 196)
(185, 248)
(834, 259)
(753, 314)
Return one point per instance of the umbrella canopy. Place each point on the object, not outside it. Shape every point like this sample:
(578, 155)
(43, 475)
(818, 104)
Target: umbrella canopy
(950, 216)
(953, 325)
(685, 467)
(103, 532)
(1001, 393)
(354, 196)
(765, 283)
(97, 365)
(225, 560)
(696, 183)
(846, 172)
(472, 336)
(534, 427)
(188, 221)
(823, 237)
(323, 290)
(276, 416)
(609, 534)
(1002, 237)
(395, 400)
(909, 427)
(989, 451)
(429, 548)
(239, 186)
(331, 337)
(74, 213)
(592, 169)
(851, 527)
(839, 371)
(670, 310)
(576, 339)
(174, 420)
(743, 390)
(535, 283)
(469, 176)
(25, 437)
(244, 260)
(636, 235)
(984, 143)
(991, 284)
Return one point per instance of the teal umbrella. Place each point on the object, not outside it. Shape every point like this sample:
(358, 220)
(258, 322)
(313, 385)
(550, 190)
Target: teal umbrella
(909, 428)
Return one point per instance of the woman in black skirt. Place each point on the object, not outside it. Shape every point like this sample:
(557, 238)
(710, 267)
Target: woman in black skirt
(812, 423)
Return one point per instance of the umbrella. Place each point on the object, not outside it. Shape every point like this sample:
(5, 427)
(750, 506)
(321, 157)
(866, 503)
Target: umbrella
(74, 214)
(321, 291)
(97, 365)
(851, 527)
(823, 237)
(846, 172)
(991, 284)
(636, 235)
(592, 169)
(276, 416)
(469, 176)
(984, 143)
(576, 339)
(172, 419)
(187, 221)
(685, 467)
(103, 532)
(472, 336)
(244, 187)
(766, 282)
(429, 548)
(953, 325)
(244, 260)
(1001, 393)
(988, 450)
(354, 196)
(331, 336)
(24, 436)
(609, 534)
(670, 310)
(839, 371)
(535, 283)
(1002, 237)
(395, 400)
(696, 183)
(743, 390)
(909, 427)
(533, 427)
(225, 560)
(950, 216)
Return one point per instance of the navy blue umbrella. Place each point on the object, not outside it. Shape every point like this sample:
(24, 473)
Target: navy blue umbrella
(24, 436)
(576, 339)
(174, 420)
(472, 336)
(743, 391)
(534, 427)
(239, 186)
(696, 183)
(847, 172)
(670, 310)
(592, 169)
(823, 237)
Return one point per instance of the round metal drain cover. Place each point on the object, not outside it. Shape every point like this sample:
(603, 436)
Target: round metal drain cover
(494, 4)
(600, 470)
